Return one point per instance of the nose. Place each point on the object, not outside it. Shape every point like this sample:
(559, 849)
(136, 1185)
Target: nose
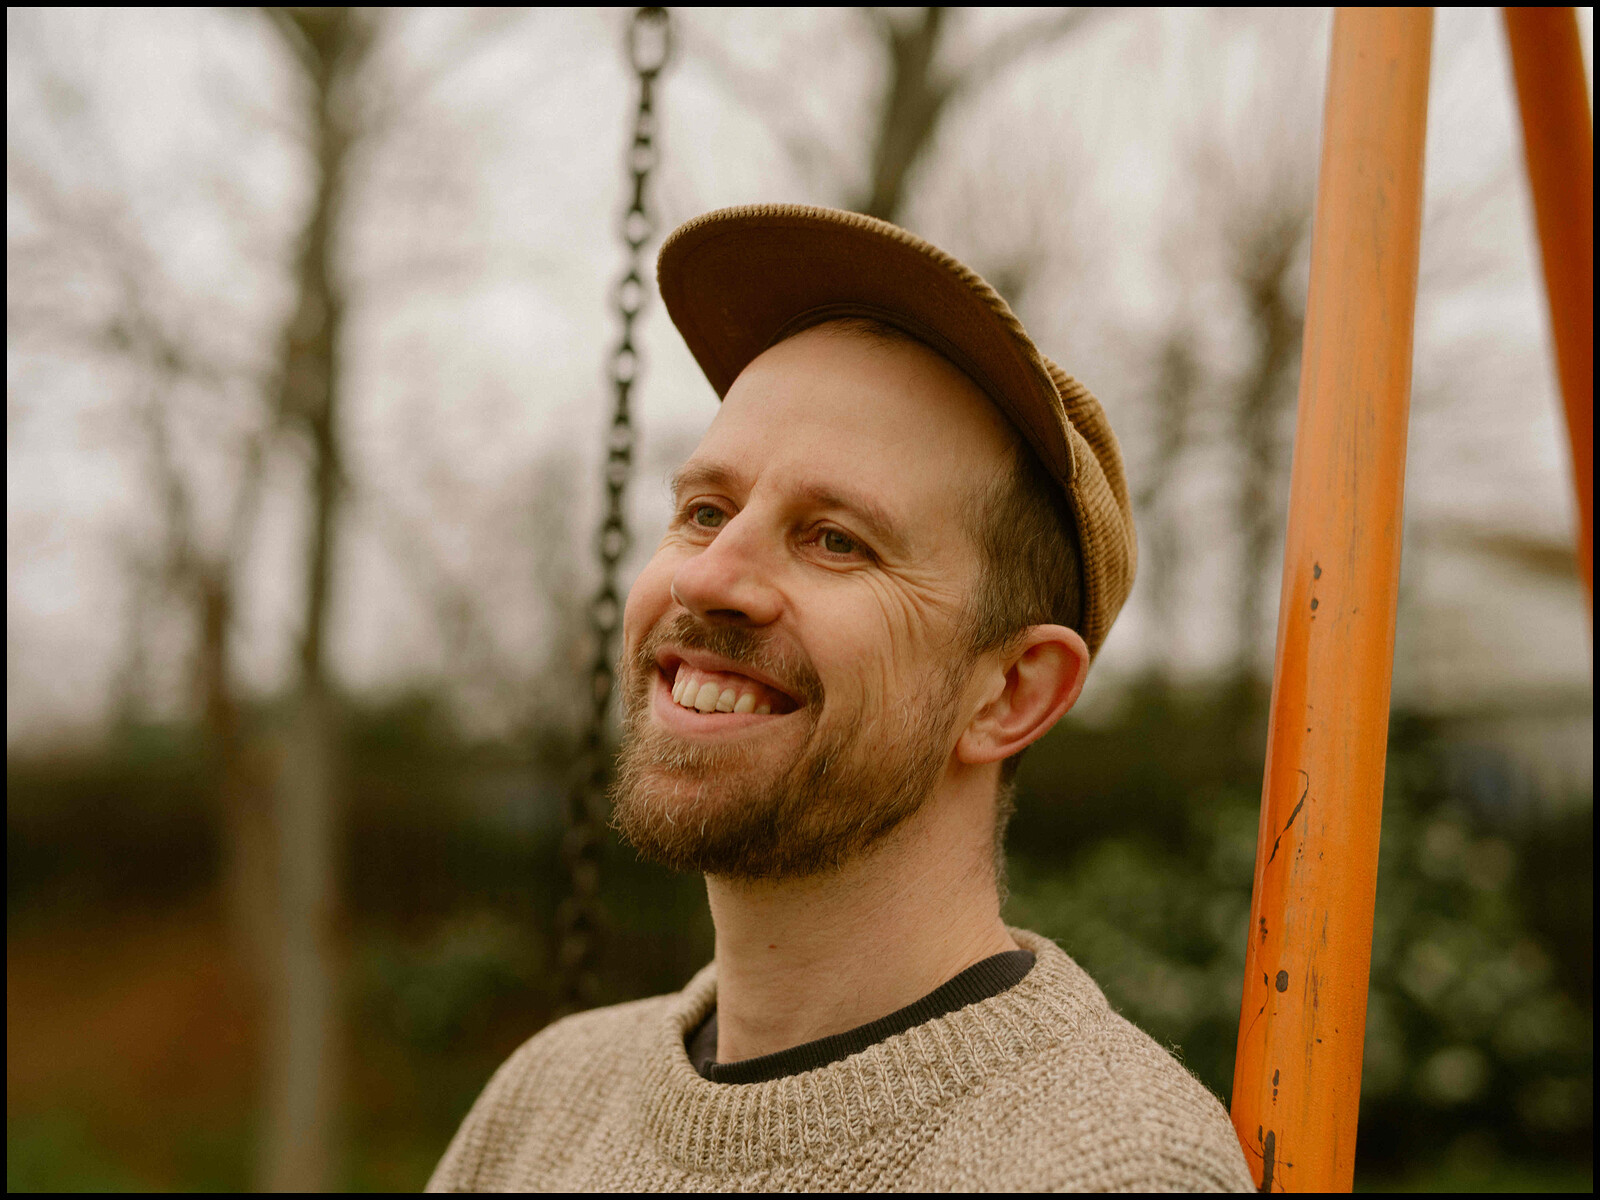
(731, 580)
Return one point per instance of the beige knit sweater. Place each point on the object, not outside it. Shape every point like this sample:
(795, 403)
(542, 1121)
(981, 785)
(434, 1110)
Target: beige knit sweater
(1041, 1088)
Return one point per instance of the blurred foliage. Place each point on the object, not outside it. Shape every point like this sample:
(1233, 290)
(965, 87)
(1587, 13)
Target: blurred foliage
(1132, 846)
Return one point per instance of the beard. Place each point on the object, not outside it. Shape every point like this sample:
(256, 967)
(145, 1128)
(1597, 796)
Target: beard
(731, 811)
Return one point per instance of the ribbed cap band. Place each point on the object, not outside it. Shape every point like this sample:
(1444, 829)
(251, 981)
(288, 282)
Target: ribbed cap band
(737, 280)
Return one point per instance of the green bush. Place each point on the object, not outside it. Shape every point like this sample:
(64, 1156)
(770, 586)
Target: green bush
(1133, 846)
(1480, 1006)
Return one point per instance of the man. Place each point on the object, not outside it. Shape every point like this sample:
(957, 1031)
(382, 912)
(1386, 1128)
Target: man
(892, 558)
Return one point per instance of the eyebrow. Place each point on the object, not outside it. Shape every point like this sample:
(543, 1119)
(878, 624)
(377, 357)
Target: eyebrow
(879, 524)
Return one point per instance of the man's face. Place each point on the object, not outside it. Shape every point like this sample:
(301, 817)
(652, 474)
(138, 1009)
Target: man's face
(794, 669)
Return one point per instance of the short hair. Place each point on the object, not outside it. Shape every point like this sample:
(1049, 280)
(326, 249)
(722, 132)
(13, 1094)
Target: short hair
(1028, 551)
(1030, 570)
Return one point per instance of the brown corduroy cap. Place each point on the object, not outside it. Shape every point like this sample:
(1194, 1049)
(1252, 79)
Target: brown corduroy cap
(738, 280)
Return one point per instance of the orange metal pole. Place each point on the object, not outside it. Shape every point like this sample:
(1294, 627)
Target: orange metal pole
(1558, 137)
(1298, 1071)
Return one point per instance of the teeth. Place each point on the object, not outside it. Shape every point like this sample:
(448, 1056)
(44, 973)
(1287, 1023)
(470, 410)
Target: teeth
(690, 691)
(684, 692)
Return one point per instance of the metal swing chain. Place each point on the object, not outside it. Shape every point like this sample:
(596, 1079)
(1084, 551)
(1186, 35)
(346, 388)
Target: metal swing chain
(579, 919)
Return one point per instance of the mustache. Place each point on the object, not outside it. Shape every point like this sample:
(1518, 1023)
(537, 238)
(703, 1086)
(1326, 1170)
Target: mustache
(760, 651)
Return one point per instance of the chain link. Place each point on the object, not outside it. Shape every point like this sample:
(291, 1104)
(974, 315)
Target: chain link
(580, 917)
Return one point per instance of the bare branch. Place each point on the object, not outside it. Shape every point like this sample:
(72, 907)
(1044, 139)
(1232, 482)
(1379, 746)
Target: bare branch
(1037, 35)
(397, 95)
(1547, 558)
(293, 34)
(771, 100)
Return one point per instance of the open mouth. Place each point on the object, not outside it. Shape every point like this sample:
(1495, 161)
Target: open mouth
(703, 690)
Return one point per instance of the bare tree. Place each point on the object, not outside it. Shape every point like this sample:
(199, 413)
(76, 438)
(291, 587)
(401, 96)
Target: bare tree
(1265, 245)
(249, 397)
(279, 840)
(304, 1052)
(1250, 177)
(186, 389)
(1174, 400)
(921, 86)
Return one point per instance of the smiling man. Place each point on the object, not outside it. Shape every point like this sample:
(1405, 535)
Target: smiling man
(892, 558)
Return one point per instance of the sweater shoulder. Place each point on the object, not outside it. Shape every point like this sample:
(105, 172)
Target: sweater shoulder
(1099, 1105)
(573, 1049)
(553, 1086)
(1185, 1138)
(1114, 1101)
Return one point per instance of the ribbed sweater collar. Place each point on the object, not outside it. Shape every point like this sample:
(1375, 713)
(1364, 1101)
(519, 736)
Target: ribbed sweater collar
(720, 1127)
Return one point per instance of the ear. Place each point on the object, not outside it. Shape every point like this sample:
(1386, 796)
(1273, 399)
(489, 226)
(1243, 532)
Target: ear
(1042, 676)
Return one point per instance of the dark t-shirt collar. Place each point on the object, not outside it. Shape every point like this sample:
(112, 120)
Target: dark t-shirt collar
(980, 981)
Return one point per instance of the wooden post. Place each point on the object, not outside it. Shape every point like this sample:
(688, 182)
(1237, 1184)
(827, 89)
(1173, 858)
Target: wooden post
(1558, 137)
(1297, 1077)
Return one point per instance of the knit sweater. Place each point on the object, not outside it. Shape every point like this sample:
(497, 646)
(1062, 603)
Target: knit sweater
(1041, 1088)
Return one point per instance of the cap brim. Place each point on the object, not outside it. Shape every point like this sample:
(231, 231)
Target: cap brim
(737, 280)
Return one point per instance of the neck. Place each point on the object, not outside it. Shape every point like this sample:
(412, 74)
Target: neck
(803, 959)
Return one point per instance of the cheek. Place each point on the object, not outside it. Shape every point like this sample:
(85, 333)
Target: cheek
(870, 649)
(907, 627)
(648, 599)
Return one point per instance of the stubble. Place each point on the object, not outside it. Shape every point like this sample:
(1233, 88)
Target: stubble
(732, 810)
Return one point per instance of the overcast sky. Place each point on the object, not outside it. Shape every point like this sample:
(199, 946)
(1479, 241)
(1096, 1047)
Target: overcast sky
(482, 246)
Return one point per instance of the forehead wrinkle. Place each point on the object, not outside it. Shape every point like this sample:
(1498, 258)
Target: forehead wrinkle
(700, 473)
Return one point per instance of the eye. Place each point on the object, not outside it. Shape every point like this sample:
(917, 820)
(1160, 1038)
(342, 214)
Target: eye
(835, 542)
(707, 516)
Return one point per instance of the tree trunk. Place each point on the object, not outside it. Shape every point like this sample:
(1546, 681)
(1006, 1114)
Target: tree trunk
(247, 842)
(910, 110)
(304, 1046)
(1160, 549)
(920, 89)
(303, 1026)
(1267, 259)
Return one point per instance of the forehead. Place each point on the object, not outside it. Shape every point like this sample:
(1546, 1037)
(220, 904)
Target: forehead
(841, 412)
